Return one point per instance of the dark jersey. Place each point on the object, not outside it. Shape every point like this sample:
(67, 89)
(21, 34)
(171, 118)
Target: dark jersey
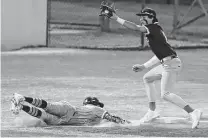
(158, 41)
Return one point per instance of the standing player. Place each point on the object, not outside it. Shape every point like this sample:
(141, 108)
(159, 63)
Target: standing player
(170, 63)
(63, 113)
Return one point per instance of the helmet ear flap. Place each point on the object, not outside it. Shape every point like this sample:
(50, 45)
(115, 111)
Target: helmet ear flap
(155, 20)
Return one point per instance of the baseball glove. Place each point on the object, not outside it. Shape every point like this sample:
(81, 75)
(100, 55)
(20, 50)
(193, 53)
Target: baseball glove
(107, 9)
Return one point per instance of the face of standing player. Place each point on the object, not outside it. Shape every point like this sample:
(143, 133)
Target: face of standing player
(146, 20)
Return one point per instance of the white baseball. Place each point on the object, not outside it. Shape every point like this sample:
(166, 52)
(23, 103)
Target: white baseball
(106, 11)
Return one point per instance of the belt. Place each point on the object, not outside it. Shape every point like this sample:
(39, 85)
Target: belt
(168, 58)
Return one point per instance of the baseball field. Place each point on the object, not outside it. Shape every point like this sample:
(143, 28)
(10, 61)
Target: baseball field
(71, 75)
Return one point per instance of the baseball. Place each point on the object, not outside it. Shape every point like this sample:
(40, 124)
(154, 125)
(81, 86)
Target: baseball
(106, 11)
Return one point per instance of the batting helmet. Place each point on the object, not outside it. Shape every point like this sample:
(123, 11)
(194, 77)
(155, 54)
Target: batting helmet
(150, 13)
(93, 101)
(147, 12)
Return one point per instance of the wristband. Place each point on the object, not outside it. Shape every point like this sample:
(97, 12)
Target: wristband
(120, 20)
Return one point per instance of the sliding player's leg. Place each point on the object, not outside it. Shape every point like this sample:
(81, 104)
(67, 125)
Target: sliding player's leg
(55, 108)
(49, 119)
(61, 109)
(19, 99)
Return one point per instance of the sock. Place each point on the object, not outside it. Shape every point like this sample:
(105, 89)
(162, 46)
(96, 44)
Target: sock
(152, 106)
(32, 111)
(36, 102)
(188, 109)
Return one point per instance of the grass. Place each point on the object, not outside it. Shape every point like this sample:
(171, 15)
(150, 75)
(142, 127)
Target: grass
(71, 75)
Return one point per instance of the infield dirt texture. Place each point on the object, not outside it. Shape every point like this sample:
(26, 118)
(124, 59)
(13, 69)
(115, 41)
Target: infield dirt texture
(71, 75)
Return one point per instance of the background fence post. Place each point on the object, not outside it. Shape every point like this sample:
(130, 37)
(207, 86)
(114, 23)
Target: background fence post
(142, 34)
(176, 13)
(48, 18)
(104, 23)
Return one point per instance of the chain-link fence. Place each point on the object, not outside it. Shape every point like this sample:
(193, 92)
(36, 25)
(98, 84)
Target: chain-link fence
(64, 16)
(73, 12)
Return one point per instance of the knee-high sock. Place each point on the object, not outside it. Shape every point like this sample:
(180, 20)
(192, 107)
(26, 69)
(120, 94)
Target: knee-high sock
(32, 111)
(36, 102)
(175, 99)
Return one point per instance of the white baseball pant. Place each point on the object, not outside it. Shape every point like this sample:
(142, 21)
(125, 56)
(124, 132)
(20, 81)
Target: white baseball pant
(167, 73)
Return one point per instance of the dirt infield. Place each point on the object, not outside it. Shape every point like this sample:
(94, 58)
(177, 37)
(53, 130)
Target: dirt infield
(71, 75)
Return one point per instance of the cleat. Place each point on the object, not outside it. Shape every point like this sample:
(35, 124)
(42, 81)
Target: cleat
(16, 102)
(150, 116)
(18, 98)
(15, 108)
(195, 118)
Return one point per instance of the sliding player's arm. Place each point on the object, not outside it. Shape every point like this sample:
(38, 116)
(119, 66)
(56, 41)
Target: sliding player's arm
(114, 119)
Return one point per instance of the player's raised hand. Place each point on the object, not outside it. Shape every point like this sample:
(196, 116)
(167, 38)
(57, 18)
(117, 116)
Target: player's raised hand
(138, 67)
(107, 9)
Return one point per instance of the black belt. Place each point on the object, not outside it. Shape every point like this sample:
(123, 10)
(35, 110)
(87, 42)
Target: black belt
(168, 58)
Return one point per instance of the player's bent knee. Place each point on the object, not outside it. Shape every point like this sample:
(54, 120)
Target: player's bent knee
(148, 79)
(165, 95)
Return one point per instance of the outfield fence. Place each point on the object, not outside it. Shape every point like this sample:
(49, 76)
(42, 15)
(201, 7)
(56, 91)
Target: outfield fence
(23, 23)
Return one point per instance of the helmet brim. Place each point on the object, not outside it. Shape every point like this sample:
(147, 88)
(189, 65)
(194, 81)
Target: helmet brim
(144, 14)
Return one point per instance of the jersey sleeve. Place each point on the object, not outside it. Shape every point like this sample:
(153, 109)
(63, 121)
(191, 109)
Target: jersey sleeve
(99, 111)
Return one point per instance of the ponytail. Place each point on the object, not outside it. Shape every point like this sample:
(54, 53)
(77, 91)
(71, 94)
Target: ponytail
(154, 20)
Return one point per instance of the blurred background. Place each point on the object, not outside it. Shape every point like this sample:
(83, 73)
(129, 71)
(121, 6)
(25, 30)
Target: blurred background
(76, 23)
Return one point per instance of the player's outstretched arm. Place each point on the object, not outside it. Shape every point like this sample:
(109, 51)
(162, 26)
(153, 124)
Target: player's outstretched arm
(108, 10)
(129, 24)
(114, 119)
